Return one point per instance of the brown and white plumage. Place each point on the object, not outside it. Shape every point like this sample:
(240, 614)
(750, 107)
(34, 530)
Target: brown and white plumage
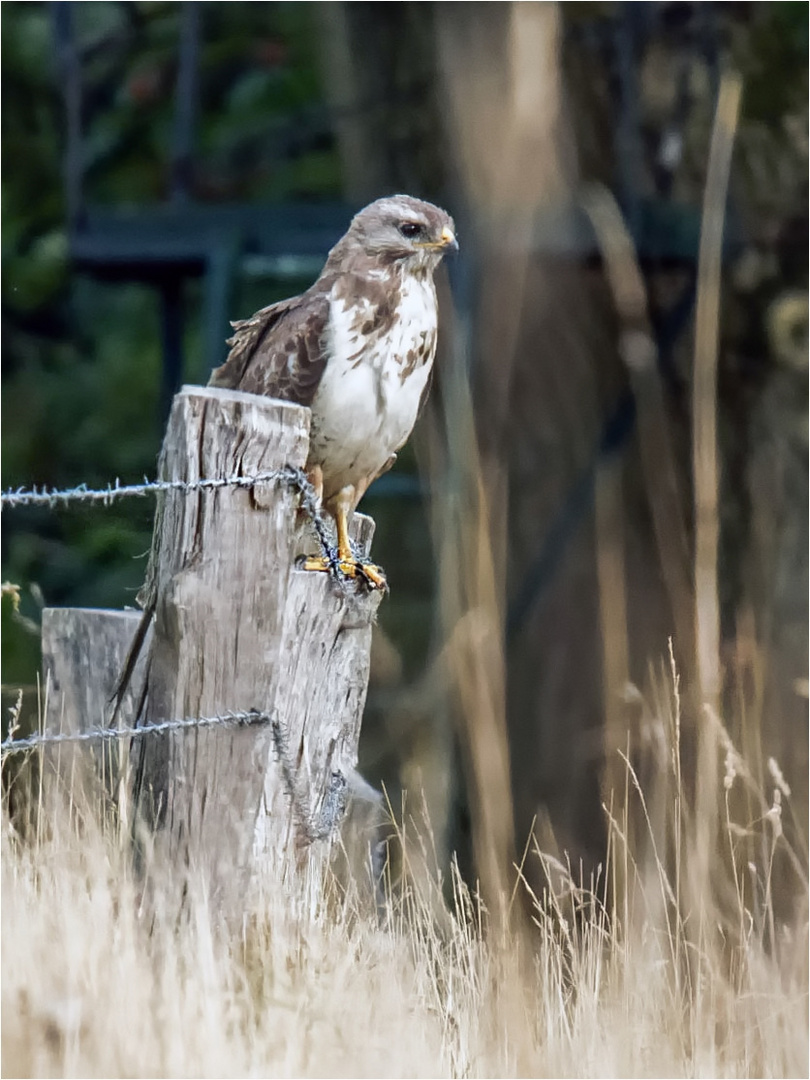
(357, 347)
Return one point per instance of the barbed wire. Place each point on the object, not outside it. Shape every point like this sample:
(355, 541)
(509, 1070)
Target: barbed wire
(81, 493)
(295, 478)
(249, 718)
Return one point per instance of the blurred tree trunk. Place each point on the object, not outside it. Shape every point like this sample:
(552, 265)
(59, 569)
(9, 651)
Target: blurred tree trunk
(584, 611)
(545, 374)
(536, 379)
(378, 62)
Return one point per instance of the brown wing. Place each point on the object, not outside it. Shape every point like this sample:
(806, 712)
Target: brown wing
(280, 351)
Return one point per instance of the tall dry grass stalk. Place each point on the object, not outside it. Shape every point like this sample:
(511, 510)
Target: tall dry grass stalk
(95, 982)
(704, 447)
(472, 659)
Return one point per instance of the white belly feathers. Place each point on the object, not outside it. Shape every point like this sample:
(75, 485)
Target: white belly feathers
(368, 398)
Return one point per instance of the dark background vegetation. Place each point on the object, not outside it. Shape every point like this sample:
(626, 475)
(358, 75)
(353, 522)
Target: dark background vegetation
(324, 102)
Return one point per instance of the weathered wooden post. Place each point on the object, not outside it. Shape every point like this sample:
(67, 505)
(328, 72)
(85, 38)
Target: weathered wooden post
(220, 579)
(83, 654)
(84, 651)
(319, 693)
(237, 628)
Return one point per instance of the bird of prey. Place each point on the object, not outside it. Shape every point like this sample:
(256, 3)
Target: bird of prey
(357, 348)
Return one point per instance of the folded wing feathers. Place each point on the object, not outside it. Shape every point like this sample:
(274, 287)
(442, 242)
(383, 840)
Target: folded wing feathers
(248, 337)
(279, 351)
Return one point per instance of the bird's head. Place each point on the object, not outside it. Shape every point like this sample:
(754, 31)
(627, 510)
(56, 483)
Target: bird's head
(403, 230)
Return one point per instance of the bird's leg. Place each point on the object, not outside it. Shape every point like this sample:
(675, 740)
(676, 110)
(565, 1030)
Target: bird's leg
(350, 566)
(315, 477)
(345, 503)
(342, 510)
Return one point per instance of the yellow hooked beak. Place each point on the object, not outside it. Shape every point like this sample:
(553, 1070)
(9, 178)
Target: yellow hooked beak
(447, 239)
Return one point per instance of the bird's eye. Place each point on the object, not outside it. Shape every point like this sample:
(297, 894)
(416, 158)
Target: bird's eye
(410, 229)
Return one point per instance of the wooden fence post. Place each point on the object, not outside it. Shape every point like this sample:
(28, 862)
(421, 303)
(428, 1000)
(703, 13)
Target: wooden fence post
(84, 651)
(83, 655)
(236, 628)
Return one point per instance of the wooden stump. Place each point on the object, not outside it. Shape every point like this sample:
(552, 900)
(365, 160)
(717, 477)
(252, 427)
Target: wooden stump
(235, 628)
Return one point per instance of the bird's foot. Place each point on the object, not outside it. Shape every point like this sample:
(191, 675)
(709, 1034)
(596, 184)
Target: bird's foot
(372, 575)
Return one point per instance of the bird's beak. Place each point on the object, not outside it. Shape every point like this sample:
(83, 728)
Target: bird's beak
(448, 239)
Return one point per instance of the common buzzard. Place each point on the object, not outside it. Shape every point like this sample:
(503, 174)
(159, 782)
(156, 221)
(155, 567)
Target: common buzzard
(357, 348)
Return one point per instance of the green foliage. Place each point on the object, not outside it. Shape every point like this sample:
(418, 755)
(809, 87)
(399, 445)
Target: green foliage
(775, 62)
(20, 641)
(81, 357)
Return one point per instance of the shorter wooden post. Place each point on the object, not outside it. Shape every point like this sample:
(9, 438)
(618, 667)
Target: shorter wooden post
(83, 654)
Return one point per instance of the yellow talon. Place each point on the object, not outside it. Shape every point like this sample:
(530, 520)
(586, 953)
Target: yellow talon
(349, 566)
(374, 576)
(344, 559)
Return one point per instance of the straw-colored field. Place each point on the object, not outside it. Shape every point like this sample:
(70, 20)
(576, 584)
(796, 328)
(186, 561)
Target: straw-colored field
(623, 981)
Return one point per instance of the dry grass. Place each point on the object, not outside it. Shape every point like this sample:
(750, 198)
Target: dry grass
(626, 980)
